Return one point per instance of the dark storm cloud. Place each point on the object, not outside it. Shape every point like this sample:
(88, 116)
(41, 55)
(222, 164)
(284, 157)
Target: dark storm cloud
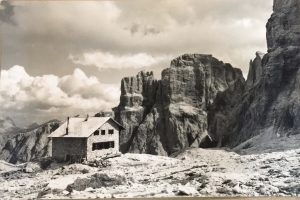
(6, 12)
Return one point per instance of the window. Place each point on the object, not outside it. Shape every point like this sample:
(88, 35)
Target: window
(112, 144)
(102, 132)
(96, 132)
(110, 131)
(103, 145)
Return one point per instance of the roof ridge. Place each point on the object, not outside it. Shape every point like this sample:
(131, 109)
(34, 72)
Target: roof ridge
(75, 127)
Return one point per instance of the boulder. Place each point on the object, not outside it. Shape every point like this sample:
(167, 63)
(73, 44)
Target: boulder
(96, 181)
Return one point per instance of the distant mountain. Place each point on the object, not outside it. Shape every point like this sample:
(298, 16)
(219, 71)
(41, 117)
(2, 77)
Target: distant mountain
(8, 129)
(29, 144)
(33, 126)
(7, 125)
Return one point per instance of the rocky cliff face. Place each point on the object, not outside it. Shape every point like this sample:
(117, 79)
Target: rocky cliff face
(199, 94)
(255, 70)
(270, 105)
(7, 130)
(283, 28)
(29, 144)
(165, 117)
(138, 96)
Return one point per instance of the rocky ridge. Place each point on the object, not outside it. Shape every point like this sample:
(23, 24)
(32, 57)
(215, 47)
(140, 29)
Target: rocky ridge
(8, 129)
(138, 95)
(29, 144)
(255, 70)
(201, 101)
(269, 107)
(164, 117)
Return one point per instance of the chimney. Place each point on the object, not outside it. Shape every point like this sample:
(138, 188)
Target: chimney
(67, 129)
(87, 117)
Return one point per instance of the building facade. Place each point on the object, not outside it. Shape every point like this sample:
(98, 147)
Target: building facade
(103, 141)
(85, 139)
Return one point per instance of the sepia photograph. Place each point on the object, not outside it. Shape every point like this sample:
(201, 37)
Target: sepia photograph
(149, 99)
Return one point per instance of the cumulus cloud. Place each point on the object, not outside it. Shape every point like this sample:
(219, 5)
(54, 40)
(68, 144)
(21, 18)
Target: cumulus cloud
(48, 95)
(106, 60)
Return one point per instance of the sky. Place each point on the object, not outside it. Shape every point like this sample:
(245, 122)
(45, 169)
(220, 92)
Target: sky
(63, 58)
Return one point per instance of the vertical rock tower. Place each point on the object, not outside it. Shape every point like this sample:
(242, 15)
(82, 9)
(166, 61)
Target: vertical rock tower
(165, 117)
(270, 105)
(200, 96)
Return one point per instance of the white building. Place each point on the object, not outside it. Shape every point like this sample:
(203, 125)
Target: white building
(85, 138)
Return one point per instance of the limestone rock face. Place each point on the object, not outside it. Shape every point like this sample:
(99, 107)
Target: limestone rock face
(29, 144)
(222, 112)
(7, 130)
(283, 28)
(255, 70)
(137, 98)
(270, 105)
(176, 113)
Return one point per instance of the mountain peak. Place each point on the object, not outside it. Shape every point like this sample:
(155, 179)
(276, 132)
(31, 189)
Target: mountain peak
(7, 124)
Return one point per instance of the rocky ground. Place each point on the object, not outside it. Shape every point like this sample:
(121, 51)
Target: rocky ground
(196, 172)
